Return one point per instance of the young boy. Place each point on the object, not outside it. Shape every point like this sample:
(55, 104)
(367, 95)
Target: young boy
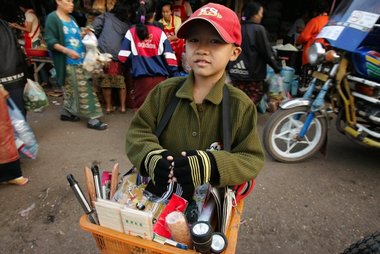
(188, 151)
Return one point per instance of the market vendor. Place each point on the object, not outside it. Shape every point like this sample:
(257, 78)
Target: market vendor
(31, 27)
(189, 152)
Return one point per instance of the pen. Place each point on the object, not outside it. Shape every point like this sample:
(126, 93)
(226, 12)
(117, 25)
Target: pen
(160, 239)
(82, 200)
(176, 244)
(95, 173)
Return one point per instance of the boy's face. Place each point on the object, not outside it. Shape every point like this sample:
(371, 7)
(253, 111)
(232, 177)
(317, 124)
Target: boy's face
(206, 52)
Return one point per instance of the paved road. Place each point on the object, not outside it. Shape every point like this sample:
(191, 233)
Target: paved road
(319, 206)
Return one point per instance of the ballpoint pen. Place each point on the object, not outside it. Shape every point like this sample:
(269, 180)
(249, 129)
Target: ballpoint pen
(95, 173)
(81, 198)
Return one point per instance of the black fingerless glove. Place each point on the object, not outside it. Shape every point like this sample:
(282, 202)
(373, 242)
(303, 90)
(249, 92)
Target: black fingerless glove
(157, 166)
(197, 167)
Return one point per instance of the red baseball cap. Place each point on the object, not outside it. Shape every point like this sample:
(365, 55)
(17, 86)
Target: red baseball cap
(222, 18)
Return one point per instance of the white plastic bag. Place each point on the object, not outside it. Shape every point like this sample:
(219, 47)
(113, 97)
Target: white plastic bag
(34, 96)
(93, 60)
(91, 43)
(25, 139)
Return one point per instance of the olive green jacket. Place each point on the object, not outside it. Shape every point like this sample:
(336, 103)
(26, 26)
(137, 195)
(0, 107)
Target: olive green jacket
(197, 127)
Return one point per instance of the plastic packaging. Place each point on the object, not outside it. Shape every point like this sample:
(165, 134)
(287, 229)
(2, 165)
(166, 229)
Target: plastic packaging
(93, 60)
(176, 203)
(23, 132)
(276, 84)
(294, 85)
(177, 226)
(34, 96)
(287, 74)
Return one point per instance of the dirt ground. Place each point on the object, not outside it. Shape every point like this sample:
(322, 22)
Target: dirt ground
(318, 206)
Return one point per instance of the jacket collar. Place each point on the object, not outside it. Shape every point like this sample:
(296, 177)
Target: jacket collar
(215, 96)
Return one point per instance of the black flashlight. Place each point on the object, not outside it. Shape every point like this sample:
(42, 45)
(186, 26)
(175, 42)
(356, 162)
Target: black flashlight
(201, 234)
(218, 243)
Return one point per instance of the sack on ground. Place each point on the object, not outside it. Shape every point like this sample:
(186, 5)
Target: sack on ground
(34, 96)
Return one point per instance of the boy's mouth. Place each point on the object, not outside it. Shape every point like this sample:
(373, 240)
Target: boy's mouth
(201, 62)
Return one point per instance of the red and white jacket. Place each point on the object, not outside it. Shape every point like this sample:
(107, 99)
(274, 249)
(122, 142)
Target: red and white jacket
(151, 57)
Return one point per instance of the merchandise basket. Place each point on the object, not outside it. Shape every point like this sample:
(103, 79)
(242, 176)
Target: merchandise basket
(111, 242)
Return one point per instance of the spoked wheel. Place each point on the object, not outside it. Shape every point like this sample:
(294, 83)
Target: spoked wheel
(281, 138)
(368, 245)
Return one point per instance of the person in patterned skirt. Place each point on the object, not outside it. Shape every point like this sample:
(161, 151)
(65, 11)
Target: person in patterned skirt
(63, 38)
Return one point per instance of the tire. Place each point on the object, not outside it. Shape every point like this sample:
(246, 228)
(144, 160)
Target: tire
(285, 147)
(369, 245)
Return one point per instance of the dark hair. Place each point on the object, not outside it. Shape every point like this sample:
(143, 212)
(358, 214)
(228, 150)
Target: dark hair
(145, 11)
(25, 4)
(9, 11)
(251, 9)
(122, 10)
(322, 7)
(167, 3)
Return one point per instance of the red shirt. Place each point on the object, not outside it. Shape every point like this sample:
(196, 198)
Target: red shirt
(311, 30)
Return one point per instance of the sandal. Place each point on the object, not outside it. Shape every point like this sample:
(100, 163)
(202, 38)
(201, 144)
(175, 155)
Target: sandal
(71, 118)
(99, 125)
(123, 110)
(20, 181)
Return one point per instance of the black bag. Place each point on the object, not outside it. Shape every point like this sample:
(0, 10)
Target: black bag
(242, 67)
(13, 65)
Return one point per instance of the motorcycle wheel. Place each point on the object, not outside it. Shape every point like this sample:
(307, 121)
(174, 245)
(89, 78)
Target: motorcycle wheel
(280, 135)
(368, 245)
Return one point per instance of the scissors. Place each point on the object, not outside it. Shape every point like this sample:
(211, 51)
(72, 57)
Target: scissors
(243, 190)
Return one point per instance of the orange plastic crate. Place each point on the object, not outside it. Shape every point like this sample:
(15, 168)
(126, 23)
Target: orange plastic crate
(111, 242)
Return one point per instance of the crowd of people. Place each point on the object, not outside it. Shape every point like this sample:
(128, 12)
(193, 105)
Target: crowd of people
(146, 50)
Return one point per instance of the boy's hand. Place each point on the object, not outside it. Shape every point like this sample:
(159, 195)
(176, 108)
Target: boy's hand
(194, 167)
(157, 164)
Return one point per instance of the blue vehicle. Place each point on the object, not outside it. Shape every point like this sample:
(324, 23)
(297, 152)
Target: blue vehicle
(346, 83)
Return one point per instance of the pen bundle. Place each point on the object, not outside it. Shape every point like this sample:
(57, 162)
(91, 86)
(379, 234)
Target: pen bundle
(101, 187)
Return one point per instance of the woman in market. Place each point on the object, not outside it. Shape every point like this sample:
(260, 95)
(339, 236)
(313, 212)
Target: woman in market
(63, 38)
(249, 71)
(171, 25)
(31, 27)
(110, 29)
(147, 50)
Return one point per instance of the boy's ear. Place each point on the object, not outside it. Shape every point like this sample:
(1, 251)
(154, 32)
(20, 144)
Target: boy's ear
(235, 53)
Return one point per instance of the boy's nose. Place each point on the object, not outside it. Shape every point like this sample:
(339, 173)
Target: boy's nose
(203, 48)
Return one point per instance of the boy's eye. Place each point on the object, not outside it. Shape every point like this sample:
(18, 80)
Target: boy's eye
(192, 40)
(216, 41)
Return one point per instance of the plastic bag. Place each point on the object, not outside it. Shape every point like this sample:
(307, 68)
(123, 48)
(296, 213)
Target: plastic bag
(275, 84)
(93, 60)
(34, 96)
(91, 44)
(276, 88)
(25, 139)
